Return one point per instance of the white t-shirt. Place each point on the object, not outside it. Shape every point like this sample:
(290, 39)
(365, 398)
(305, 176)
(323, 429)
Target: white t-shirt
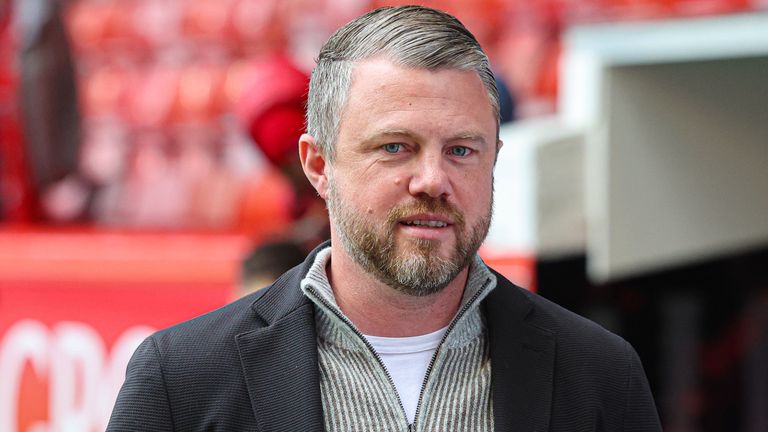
(406, 360)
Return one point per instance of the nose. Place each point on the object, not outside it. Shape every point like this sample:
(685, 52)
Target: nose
(430, 178)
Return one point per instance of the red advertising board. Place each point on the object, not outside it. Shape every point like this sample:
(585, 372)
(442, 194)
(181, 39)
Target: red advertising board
(74, 306)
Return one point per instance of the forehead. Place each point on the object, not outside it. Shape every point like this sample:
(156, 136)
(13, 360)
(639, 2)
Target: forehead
(387, 95)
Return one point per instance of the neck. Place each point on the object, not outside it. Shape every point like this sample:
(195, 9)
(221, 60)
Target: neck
(377, 309)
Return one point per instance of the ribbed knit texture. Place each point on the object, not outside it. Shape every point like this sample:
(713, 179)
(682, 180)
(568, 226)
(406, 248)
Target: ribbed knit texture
(254, 365)
(357, 392)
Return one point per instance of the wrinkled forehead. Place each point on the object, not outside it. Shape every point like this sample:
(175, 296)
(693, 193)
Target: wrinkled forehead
(386, 84)
(386, 99)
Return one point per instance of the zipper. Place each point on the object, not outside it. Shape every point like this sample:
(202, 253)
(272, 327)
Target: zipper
(431, 365)
(459, 315)
(368, 345)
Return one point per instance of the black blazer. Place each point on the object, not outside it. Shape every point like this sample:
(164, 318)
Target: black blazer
(252, 366)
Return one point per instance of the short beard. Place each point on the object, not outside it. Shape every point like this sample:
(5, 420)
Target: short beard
(417, 271)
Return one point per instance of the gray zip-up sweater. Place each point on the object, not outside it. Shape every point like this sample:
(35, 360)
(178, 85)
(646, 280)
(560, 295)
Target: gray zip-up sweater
(357, 391)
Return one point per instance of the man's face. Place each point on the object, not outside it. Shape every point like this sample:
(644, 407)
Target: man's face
(410, 191)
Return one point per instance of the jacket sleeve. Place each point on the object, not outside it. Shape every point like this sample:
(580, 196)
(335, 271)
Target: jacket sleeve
(640, 413)
(142, 404)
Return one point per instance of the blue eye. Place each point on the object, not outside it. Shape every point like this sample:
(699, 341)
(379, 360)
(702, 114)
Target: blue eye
(392, 147)
(460, 151)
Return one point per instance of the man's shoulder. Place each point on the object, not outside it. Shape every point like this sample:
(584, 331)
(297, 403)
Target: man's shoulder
(570, 331)
(220, 324)
(562, 320)
(193, 363)
(250, 312)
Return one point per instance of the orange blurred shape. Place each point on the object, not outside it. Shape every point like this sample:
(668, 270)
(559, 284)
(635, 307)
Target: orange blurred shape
(87, 22)
(237, 77)
(266, 203)
(251, 18)
(103, 90)
(150, 103)
(206, 18)
(199, 87)
(157, 22)
(518, 267)
(118, 21)
(258, 26)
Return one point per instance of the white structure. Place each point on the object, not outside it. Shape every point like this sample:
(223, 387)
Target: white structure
(659, 155)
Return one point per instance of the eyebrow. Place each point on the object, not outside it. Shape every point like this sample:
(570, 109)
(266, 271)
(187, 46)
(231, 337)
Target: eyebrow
(468, 136)
(403, 133)
(406, 133)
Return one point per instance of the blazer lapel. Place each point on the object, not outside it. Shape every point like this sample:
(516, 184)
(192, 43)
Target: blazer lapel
(279, 359)
(522, 362)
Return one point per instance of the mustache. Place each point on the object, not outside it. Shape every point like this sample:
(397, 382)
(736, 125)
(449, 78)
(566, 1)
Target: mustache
(426, 205)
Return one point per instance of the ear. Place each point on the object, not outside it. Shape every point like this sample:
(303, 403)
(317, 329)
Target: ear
(499, 145)
(313, 163)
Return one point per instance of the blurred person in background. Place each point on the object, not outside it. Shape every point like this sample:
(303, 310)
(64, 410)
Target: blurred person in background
(272, 112)
(396, 324)
(56, 191)
(265, 263)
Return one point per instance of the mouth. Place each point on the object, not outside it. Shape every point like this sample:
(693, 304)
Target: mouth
(432, 226)
(427, 226)
(426, 220)
(425, 223)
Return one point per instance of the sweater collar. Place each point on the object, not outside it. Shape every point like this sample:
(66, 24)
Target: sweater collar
(334, 325)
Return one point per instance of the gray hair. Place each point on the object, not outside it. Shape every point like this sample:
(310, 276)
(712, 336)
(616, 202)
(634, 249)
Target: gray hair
(412, 36)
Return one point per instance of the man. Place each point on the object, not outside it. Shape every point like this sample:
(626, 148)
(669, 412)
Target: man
(396, 324)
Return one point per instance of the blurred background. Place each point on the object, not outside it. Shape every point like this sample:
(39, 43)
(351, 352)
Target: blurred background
(148, 174)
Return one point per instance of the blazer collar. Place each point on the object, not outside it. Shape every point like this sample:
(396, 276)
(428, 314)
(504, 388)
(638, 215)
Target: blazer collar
(522, 361)
(279, 357)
